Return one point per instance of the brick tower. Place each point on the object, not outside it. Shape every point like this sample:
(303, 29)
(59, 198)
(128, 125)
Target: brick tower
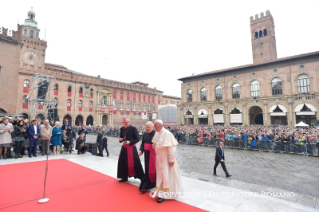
(263, 38)
(33, 51)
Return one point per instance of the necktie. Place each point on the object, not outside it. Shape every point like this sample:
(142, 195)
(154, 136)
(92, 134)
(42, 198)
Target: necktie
(222, 151)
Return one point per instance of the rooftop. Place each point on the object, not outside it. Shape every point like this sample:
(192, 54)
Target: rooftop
(251, 65)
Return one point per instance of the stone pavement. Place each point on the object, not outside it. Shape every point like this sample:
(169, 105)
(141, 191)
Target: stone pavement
(252, 171)
(205, 195)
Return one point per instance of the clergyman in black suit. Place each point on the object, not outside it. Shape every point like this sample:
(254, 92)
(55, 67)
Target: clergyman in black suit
(220, 158)
(99, 142)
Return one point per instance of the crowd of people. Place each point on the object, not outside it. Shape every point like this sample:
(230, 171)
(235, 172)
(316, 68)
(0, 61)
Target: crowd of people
(37, 133)
(25, 135)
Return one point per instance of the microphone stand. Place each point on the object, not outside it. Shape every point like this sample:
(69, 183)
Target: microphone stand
(44, 200)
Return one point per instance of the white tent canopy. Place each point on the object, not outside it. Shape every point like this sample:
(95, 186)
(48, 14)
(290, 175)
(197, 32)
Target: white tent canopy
(301, 124)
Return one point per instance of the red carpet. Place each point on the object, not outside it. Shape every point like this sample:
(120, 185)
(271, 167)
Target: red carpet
(72, 187)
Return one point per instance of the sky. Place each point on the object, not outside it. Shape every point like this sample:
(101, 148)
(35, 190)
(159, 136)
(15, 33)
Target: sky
(158, 42)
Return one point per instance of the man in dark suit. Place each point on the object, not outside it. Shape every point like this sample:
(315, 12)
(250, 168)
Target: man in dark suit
(99, 142)
(68, 128)
(104, 143)
(33, 133)
(220, 158)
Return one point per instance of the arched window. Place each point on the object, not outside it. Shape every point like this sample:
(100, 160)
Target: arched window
(90, 104)
(114, 104)
(31, 33)
(149, 107)
(139, 106)
(68, 102)
(219, 92)
(26, 84)
(203, 94)
(25, 99)
(134, 106)
(128, 106)
(256, 34)
(121, 105)
(265, 32)
(236, 91)
(91, 92)
(260, 33)
(144, 107)
(69, 89)
(56, 87)
(80, 103)
(25, 31)
(80, 92)
(276, 86)
(254, 88)
(189, 96)
(303, 84)
(154, 107)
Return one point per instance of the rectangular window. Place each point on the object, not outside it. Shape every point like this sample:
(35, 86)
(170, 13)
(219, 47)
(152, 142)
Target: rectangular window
(303, 86)
(276, 88)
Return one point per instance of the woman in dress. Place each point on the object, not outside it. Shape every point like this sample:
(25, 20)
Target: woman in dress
(19, 137)
(56, 137)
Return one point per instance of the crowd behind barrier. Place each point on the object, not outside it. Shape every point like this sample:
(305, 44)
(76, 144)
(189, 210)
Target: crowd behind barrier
(277, 139)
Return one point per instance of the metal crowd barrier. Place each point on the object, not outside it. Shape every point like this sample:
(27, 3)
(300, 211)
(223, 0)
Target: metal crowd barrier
(258, 145)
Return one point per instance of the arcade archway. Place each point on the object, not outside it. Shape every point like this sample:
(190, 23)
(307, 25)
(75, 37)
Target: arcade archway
(89, 120)
(69, 118)
(79, 120)
(256, 115)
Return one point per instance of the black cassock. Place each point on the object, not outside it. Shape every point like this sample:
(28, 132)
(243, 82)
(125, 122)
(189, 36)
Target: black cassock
(145, 182)
(131, 135)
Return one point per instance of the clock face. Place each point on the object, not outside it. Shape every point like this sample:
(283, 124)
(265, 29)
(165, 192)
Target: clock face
(30, 58)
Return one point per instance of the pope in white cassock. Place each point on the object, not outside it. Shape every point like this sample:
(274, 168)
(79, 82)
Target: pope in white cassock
(168, 177)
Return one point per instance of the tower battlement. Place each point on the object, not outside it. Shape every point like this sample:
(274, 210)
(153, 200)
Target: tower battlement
(261, 17)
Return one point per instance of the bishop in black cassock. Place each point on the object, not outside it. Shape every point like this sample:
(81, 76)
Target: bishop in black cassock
(129, 164)
(149, 179)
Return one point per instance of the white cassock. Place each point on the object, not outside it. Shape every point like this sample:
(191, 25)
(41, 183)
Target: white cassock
(168, 178)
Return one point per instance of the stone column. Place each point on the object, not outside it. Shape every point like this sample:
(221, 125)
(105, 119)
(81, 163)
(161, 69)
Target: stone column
(227, 121)
(210, 116)
(244, 114)
(291, 118)
(265, 114)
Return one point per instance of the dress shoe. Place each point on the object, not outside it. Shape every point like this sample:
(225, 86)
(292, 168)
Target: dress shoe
(34, 155)
(160, 200)
(122, 180)
(107, 155)
(30, 156)
(229, 175)
(20, 156)
(143, 191)
(16, 156)
(215, 175)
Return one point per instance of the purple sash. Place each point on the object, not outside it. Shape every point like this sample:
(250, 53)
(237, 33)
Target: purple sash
(130, 159)
(152, 162)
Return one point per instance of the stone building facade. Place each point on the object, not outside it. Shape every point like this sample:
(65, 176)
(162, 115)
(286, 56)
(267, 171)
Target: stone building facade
(80, 98)
(173, 100)
(271, 91)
